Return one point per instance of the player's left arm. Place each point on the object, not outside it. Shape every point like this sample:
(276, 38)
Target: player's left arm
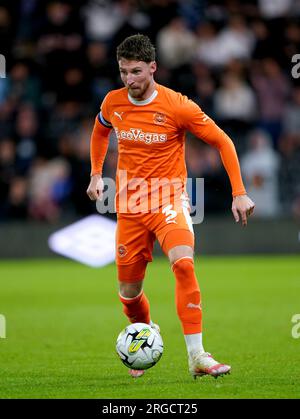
(196, 121)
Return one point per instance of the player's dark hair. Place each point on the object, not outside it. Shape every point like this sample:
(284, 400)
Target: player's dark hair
(136, 47)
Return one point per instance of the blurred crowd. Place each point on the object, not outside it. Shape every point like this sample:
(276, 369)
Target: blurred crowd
(234, 58)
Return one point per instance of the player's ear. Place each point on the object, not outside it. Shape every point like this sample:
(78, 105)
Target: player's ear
(153, 67)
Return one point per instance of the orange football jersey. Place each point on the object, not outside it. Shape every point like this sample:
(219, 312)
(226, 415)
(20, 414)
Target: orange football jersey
(151, 142)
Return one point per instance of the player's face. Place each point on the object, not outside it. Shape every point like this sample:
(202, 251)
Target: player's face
(137, 76)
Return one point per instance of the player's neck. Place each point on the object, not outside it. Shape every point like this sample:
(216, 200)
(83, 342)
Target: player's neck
(148, 93)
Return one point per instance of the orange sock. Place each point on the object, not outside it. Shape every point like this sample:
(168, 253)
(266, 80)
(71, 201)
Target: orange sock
(187, 295)
(137, 309)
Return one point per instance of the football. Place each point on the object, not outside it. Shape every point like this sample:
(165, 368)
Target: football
(139, 346)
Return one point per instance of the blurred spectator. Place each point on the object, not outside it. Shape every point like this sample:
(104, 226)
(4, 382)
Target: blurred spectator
(272, 88)
(160, 12)
(208, 49)
(235, 100)
(99, 70)
(64, 119)
(105, 20)
(291, 116)
(7, 172)
(236, 40)
(235, 108)
(192, 12)
(102, 19)
(204, 88)
(6, 32)
(30, 14)
(18, 199)
(26, 136)
(134, 21)
(175, 44)
(60, 42)
(49, 186)
(195, 157)
(289, 175)
(290, 43)
(22, 83)
(6, 118)
(260, 166)
(74, 86)
(271, 9)
(263, 41)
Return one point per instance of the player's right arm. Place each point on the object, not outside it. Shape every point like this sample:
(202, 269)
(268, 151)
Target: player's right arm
(98, 150)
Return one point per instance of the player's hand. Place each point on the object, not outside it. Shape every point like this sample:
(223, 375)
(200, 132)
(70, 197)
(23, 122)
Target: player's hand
(242, 206)
(95, 189)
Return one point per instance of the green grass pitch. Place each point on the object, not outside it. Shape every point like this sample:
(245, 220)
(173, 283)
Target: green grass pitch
(62, 320)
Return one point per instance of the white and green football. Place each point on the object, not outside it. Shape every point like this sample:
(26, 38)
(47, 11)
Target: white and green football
(139, 346)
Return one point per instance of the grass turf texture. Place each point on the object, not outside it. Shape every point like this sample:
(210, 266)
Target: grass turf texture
(63, 318)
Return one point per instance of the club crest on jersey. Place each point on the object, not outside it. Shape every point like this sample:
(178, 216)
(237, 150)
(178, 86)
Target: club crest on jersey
(159, 118)
(122, 251)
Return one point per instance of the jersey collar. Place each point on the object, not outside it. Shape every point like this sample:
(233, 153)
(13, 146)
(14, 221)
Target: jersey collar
(143, 102)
